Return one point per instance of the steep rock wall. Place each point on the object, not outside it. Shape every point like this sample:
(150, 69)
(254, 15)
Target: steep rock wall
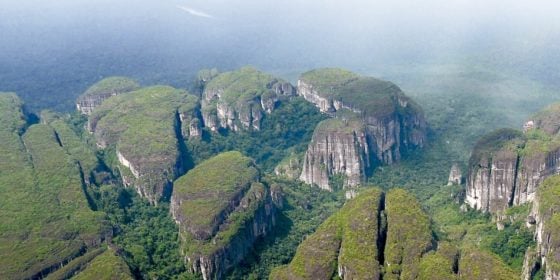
(508, 173)
(390, 124)
(337, 148)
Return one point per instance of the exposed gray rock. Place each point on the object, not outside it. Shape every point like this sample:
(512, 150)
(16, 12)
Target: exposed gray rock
(240, 99)
(337, 148)
(377, 125)
(455, 175)
(102, 90)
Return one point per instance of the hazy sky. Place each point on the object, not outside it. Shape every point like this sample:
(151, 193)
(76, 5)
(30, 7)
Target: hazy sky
(167, 40)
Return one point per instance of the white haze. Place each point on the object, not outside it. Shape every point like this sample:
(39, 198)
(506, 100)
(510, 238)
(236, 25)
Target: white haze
(167, 41)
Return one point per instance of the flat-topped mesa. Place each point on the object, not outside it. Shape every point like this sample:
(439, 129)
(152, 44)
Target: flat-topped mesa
(238, 100)
(145, 128)
(507, 166)
(386, 123)
(102, 90)
(221, 209)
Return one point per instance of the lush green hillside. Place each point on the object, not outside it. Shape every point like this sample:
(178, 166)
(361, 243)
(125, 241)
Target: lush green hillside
(408, 235)
(143, 127)
(46, 219)
(106, 266)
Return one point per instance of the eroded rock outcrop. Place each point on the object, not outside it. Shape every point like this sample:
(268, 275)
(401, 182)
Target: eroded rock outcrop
(102, 90)
(289, 167)
(221, 209)
(507, 166)
(238, 100)
(145, 129)
(380, 121)
(455, 175)
(338, 149)
(546, 215)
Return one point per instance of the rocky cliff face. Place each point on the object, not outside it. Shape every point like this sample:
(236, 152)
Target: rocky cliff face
(102, 90)
(507, 167)
(338, 148)
(239, 100)
(221, 210)
(455, 175)
(390, 125)
(546, 214)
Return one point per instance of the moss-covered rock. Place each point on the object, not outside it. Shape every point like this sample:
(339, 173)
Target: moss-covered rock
(435, 266)
(97, 93)
(238, 100)
(345, 245)
(408, 235)
(478, 264)
(221, 208)
(143, 128)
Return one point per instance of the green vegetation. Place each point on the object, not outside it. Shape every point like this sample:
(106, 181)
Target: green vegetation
(146, 118)
(408, 235)
(288, 129)
(340, 126)
(347, 239)
(547, 119)
(371, 96)
(478, 264)
(500, 140)
(303, 210)
(110, 86)
(205, 192)
(435, 266)
(106, 266)
(548, 197)
(45, 215)
(241, 86)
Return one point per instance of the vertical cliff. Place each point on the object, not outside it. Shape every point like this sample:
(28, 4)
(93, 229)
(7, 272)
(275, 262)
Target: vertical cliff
(546, 212)
(97, 93)
(221, 209)
(507, 166)
(390, 124)
(493, 170)
(239, 100)
(338, 148)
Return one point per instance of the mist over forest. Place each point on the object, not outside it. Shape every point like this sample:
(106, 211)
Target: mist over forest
(59, 48)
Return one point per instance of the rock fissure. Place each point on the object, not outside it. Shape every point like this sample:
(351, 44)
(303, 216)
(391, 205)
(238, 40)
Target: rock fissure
(382, 233)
